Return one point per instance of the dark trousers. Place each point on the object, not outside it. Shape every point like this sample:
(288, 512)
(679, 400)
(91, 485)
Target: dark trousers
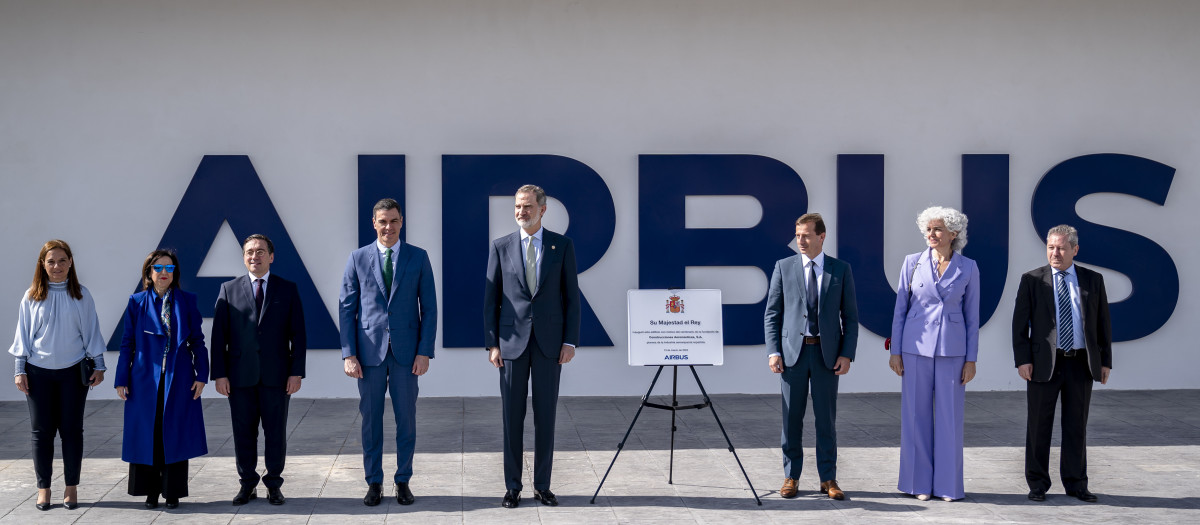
(514, 390)
(1073, 380)
(249, 406)
(170, 480)
(809, 367)
(56, 399)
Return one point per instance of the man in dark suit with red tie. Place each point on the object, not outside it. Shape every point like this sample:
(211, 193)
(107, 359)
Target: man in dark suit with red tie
(258, 346)
(1062, 344)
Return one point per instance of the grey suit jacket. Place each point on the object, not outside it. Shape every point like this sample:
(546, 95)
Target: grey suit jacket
(511, 314)
(787, 315)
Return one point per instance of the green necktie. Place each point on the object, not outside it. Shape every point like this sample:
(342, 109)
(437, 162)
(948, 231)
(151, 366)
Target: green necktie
(531, 267)
(387, 272)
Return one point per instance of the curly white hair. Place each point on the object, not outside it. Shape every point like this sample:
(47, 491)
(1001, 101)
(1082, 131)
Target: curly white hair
(954, 220)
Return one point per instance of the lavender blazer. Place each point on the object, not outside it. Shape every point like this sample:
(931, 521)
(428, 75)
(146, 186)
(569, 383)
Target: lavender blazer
(942, 317)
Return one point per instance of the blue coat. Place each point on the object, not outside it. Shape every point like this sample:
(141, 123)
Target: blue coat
(407, 317)
(942, 317)
(140, 367)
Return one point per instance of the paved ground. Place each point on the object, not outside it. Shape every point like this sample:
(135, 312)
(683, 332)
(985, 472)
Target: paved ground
(1144, 464)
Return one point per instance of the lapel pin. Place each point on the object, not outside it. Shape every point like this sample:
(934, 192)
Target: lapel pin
(553, 247)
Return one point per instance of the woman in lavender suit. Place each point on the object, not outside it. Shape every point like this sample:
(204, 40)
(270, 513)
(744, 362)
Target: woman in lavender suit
(935, 340)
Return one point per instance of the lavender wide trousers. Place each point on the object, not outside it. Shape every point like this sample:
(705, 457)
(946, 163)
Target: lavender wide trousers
(931, 426)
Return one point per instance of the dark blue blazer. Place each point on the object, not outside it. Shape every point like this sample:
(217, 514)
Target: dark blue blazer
(511, 313)
(250, 349)
(370, 318)
(140, 367)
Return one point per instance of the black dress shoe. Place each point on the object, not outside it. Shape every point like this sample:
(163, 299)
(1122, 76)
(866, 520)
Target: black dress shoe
(43, 506)
(152, 501)
(403, 495)
(545, 497)
(275, 496)
(245, 495)
(512, 498)
(374, 494)
(1083, 495)
(1037, 495)
(172, 503)
(70, 505)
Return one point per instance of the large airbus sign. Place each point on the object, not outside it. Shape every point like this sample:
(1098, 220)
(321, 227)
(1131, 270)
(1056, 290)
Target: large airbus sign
(667, 246)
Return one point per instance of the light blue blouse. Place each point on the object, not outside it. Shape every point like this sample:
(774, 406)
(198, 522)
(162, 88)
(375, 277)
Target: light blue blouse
(57, 332)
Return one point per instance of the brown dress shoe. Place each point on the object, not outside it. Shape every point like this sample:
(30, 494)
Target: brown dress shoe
(830, 487)
(789, 488)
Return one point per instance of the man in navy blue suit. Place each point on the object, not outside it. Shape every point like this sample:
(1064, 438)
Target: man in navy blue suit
(258, 345)
(531, 318)
(388, 316)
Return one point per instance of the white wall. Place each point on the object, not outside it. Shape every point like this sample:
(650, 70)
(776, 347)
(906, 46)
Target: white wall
(106, 108)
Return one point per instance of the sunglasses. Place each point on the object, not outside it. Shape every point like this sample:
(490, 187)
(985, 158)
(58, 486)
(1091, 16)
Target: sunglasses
(161, 267)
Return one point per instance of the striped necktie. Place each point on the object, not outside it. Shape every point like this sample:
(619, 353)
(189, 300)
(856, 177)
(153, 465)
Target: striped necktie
(1066, 329)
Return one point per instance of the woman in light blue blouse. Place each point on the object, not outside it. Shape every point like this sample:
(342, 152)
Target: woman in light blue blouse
(57, 328)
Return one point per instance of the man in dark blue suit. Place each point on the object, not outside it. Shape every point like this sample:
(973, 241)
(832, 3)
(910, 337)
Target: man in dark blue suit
(531, 318)
(811, 332)
(258, 345)
(388, 317)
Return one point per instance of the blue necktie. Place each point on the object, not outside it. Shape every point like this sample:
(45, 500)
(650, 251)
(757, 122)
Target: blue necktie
(1066, 339)
(810, 297)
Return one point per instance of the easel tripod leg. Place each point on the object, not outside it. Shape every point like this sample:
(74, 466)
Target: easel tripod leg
(621, 445)
(723, 433)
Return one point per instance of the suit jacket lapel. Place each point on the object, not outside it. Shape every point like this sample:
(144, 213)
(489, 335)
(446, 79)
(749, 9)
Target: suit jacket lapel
(267, 293)
(796, 268)
(518, 259)
(922, 272)
(1085, 290)
(180, 324)
(401, 262)
(376, 263)
(154, 314)
(549, 255)
(947, 281)
(826, 276)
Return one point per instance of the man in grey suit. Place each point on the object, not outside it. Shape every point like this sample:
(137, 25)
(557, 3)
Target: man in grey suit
(531, 318)
(811, 330)
(388, 316)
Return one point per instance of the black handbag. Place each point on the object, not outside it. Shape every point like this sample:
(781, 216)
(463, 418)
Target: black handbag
(86, 368)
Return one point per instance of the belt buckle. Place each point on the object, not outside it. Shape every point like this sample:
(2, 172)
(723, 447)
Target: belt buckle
(1069, 353)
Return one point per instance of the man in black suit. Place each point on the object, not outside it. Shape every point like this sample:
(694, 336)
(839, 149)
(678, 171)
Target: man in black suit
(531, 317)
(1062, 343)
(258, 345)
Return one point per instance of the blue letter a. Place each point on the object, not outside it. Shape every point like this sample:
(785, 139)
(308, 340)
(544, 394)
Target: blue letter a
(227, 189)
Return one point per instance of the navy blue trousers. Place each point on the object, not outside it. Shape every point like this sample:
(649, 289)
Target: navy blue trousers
(515, 377)
(398, 380)
(795, 381)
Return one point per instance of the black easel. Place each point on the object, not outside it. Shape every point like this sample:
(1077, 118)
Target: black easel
(675, 408)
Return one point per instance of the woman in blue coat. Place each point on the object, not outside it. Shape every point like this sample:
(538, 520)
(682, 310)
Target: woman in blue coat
(935, 341)
(160, 375)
